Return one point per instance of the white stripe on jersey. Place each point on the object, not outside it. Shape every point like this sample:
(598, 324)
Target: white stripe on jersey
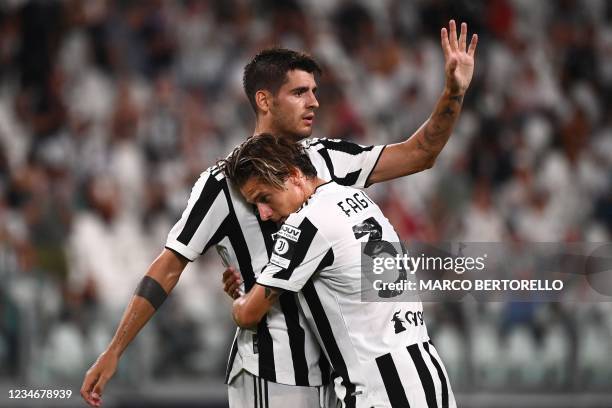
(376, 348)
(214, 208)
(284, 349)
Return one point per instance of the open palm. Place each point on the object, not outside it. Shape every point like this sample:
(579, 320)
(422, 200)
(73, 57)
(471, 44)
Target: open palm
(459, 59)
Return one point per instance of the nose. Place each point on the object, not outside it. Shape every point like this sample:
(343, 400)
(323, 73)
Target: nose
(313, 103)
(265, 212)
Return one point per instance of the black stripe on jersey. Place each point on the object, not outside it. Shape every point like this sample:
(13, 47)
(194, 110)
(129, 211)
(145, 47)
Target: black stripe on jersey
(267, 368)
(297, 340)
(261, 400)
(255, 392)
(343, 146)
(215, 170)
(324, 367)
(289, 307)
(267, 405)
(329, 342)
(268, 228)
(440, 374)
(294, 330)
(232, 357)
(210, 191)
(219, 234)
(308, 232)
(393, 384)
(424, 375)
(238, 242)
(327, 260)
(349, 180)
(234, 233)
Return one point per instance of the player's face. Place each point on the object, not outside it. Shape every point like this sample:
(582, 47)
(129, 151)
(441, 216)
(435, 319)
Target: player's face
(293, 106)
(273, 203)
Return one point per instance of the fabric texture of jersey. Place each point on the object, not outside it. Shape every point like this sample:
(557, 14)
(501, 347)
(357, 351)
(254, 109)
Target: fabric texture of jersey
(246, 390)
(380, 350)
(283, 348)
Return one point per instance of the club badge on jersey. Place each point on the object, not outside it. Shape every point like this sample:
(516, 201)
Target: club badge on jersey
(286, 240)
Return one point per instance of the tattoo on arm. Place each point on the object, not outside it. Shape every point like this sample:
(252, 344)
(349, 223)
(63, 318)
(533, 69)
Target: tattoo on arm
(448, 111)
(271, 294)
(438, 128)
(457, 98)
(424, 146)
(123, 334)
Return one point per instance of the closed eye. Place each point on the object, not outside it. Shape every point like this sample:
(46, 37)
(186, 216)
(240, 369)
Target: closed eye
(262, 199)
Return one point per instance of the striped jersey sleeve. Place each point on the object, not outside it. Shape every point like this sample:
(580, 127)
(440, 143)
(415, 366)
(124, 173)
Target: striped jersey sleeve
(299, 251)
(346, 163)
(201, 223)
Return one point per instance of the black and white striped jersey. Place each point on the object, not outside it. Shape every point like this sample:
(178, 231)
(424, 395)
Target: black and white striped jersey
(283, 348)
(380, 350)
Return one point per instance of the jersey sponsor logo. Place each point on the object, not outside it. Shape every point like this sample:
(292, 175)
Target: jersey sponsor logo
(412, 318)
(289, 232)
(280, 261)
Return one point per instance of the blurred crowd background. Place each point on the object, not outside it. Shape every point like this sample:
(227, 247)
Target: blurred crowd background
(109, 111)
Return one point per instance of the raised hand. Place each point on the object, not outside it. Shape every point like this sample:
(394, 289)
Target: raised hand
(459, 59)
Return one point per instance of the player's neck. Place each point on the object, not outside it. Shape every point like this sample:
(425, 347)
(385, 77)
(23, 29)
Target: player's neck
(310, 186)
(263, 125)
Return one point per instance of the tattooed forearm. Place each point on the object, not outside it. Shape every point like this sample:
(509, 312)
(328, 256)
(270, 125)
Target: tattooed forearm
(124, 329)
(424, 146)
(457, 98)
(438, 128)
(271, 294)
(448, 111)
(249, 309)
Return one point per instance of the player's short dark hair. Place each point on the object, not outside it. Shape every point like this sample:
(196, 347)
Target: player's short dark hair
(269, 158)
(268, 70)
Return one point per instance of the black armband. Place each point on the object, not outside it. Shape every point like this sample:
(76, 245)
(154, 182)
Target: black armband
(151, 290)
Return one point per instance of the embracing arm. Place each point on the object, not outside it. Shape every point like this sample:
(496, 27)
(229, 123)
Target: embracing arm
(249, 309)
(160, 279)
(420, 151)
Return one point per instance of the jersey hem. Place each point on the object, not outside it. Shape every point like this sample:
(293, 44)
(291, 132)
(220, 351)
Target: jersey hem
(255, 373)
(276, 284)
(182, 249)
(367, 183)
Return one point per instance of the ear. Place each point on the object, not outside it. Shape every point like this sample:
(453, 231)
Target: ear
(263, 99)
(296, 177)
